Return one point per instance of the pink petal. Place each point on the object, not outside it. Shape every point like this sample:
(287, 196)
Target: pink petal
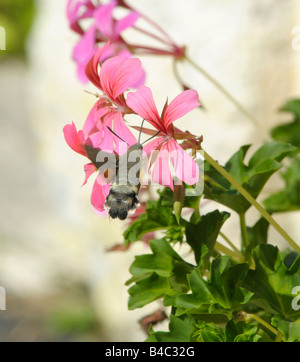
(142, 103)
(93, 122)
(120, 51)
(95, 139)
(89, 169)
(104, 19)
(182, 104)
(74, 139)
(99, 193)
(161, 171)
(84, 49)
(117, 75)
(153, 145)
(107, 73)
(120, 128)
(91, 69)
(126, 22)
(186, 169)
(73, 9)
(74, 12)
(103, 53)
(83, 52)
(140, 80)
(107, 143)
(80, 72)
(129, 74)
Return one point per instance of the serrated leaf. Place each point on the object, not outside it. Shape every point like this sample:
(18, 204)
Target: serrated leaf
(272, 281)
(180, 330)
(158, 274)
(225, 282)
(160, 261)
(241, 332)
(257, 234)
(287, 199)
(264, 162)
(221, 293)
(289, 329)
(200, 296)
(289, 132)
(147, 290)
(205, 232)
(155, 218)
(208, 332)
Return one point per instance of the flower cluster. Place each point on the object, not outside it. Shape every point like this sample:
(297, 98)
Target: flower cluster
(105, 127)
(103, 27)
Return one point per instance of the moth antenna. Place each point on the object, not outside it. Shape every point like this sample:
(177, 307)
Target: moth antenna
(117, 136)
(151, 137)
(141, 130)
(93, 94)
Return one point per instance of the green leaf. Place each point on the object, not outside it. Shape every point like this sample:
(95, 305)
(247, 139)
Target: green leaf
(178, 279)
(241, 332)
(199, 300)
(167, 198)
(289, 329)
(157, 217)
(147, 290)
(287, 199)
(225, 282)
(160, 262)
(264, 162)
(257, 234)
(158, 274)
(205, 231)
(272, 281)
(208, 332)
(292, 106)
(221, 293)
(289, 132)
(180, 330)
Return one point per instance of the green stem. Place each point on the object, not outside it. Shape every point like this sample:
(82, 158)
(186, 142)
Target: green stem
(252, 201)
(229, 242)
(244, 233)
(237, 256)
(267, 325)
(223, 90)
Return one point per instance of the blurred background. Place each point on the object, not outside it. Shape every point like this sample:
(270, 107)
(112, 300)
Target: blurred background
(61, 282)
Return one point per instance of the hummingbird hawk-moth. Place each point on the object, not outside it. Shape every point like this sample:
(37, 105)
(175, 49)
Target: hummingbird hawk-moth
(124, 174)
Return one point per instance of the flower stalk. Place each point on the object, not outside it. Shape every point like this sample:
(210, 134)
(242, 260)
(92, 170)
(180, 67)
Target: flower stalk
(252, 201)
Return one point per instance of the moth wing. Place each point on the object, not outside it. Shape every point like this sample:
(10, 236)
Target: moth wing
(106, 162)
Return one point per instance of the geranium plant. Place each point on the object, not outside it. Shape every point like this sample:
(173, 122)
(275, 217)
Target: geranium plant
(230, 290)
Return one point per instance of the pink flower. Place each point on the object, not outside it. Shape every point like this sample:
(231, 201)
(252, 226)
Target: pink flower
(108, 27)
(77, 140)
(116, 76)
(185, 168)
(77, 10)
(103, 28)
